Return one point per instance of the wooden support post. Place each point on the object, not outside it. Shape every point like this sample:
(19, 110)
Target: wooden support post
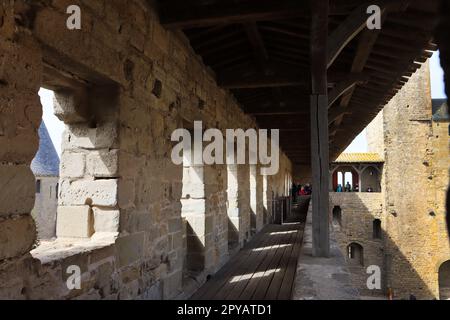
(320, 176)
(319, 129)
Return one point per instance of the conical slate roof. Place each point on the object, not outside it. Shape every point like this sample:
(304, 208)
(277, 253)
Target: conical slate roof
(46, 161)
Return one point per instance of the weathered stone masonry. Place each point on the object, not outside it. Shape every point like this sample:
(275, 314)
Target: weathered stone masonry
(359, 210)
(414, 242)
(122, 85)
(415, 178)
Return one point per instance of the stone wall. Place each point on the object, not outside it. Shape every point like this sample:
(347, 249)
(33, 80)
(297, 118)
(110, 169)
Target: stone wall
(375, 135)
(122, 86)
(358, 211)
(415, 178)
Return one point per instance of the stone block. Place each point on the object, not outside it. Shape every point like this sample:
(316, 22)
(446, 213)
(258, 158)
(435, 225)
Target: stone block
(74, 222)
(103, 163)
(177, 241)
(68, 106)
(174, 225)
(104, 136)
(72, 164)
(19, 149)
(106, 220)
(126, 193)
(17, 185)
(129, 248)
(92, 192)
(161, 38)
(172, 285)
(17, 236)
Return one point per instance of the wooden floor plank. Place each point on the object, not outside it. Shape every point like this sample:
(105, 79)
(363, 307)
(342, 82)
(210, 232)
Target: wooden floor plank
(220, 278)
(274, 286)
(262, 282)
(238, 282)
(264, 287)
(285, 292)
(250, 273)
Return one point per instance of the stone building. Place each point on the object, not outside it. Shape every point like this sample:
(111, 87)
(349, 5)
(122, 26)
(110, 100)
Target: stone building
(45, 167)
(402, 228)
(357, 216)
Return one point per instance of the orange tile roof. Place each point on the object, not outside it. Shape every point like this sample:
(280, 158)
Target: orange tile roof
(359, 157)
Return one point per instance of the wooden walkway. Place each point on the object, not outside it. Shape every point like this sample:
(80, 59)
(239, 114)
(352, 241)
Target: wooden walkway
(262, 270)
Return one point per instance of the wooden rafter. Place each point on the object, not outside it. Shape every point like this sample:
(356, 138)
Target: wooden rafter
(365, 46)
(260, 49)
(341, 88)
(257, 43)
(286, 79)
(185, 15)
(345, 32)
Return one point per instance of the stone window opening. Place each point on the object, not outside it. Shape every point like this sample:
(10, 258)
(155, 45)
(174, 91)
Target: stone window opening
(370, 179)
(355, 254)
(45, 167)
(376, 226)
(337, 217)
(87, 164)
(38, 186)
(345, 179)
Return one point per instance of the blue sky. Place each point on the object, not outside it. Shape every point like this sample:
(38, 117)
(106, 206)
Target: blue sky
(56, 127)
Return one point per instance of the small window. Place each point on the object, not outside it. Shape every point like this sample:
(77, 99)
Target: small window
(377, 229)
(355, 254)
(38, 186)
(56, 190)
(337, 217)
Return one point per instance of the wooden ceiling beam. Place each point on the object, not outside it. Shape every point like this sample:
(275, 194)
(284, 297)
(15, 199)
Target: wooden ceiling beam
(257, 43)
(341, 88)
(283, 79)
(264, 81)
(354, 24)
(186, 15)
(336, 112)
(182, 14)
(365, 46)
(278, 113)
(345, 32)
(260, 53)
(298, 109)
(290, 33)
